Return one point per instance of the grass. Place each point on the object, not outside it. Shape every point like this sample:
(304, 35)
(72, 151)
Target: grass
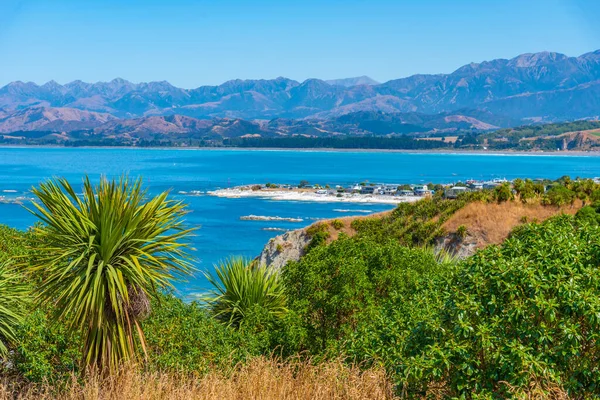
(262, 378)
(491, 223)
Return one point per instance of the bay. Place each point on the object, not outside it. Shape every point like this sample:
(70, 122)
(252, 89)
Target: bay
(221, 232)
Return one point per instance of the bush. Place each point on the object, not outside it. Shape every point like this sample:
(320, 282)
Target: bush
(503, 193)
(46, 351)
(462, 231)
(184, 337)
(588, 215)
(318, 233)
(525, 311)
(559, 196)
(334, 287)
(337, 224)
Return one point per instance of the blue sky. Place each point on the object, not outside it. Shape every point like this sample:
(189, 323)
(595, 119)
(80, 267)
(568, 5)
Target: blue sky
(194, 43)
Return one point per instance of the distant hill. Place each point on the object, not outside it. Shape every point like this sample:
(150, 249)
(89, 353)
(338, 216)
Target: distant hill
(42, 124)
(539, 87)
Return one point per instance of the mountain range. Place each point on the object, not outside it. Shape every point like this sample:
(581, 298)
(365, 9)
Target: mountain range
(534, 87)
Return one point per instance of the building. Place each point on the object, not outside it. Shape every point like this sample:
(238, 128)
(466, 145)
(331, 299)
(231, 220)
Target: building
(454, 191)
(422, 190)
(367, 190)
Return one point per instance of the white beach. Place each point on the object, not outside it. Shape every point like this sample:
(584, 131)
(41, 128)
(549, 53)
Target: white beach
(284, 195)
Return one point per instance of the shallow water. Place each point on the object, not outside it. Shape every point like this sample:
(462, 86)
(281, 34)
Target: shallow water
(222, 233)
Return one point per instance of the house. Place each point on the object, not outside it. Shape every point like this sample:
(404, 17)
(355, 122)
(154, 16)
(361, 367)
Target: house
(367, 190)
(405, 193)
(389, 190)
(421, 190)
(454, 191)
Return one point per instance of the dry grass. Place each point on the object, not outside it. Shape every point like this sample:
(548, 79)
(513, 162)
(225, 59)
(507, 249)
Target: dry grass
(260, 379)
(347, 221)
(490, 223)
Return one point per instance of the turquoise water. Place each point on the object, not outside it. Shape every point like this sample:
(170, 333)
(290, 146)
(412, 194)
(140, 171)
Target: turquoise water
(221, 232)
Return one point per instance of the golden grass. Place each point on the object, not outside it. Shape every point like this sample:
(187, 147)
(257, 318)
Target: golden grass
(491, 223)
(261, 379)
(347, 227)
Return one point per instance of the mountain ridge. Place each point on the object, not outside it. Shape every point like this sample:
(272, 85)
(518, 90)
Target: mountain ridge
(545, 86)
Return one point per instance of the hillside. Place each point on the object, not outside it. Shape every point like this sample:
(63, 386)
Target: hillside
(578, 135)
(485, 223)
(79, 125)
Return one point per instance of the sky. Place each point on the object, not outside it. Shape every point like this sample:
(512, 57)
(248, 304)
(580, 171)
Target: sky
(207, 42)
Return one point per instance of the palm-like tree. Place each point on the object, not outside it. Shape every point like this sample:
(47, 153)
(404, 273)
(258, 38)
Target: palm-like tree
(103, 256)
(13, 297)
(240, 286)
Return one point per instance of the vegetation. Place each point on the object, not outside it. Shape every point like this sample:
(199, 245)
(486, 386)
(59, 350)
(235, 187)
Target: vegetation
(375, 315)
(13, 295)
(101, 258)
(240, 287)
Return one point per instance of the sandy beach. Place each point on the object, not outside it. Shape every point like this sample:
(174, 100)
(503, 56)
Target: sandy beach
(284, 195)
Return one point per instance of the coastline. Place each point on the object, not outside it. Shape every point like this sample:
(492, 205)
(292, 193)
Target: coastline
(280, 195)
(564, 153)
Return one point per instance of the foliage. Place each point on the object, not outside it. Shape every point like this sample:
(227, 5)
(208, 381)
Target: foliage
(462, 231)
(46, 350)
(240, 287)
(559, 196)
(525, 310)
(101, 257)
(318, 233)
(337, 224)
(588, 215)
(334, 287)
(527, 190)
(14, 295)
(415, 224)
(503, 193)
(184, 337)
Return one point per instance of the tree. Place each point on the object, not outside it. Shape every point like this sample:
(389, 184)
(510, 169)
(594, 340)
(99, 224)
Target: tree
(103, 256)
(559, 196)
(240, 287)
(503, 193)
(303, 183)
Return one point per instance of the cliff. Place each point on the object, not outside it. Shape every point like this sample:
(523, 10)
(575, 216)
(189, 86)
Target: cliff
(484, 224)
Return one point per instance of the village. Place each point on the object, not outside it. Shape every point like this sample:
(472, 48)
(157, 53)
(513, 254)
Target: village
(381, 189)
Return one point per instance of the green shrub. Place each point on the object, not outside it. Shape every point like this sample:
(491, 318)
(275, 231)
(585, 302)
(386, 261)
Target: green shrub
(334, 287)
(512, 314)
(462, 231)
(588, 215)
(503, 193)
(46, 350)
(559, 196)
(14, 295)
(184, 337)
(337, 224)
(318, 233)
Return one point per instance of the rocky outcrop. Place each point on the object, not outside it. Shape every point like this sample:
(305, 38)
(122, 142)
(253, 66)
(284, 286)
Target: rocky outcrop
(461, 247)
(283, 248)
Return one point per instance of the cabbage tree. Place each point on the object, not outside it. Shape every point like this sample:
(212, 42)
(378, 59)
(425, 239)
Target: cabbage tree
(241, 285)
(103, 255)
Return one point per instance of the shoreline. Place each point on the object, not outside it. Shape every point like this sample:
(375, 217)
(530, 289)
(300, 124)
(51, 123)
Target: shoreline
(281, 195)
(565, 153)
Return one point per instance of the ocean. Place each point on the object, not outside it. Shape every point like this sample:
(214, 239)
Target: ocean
(221, 233)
